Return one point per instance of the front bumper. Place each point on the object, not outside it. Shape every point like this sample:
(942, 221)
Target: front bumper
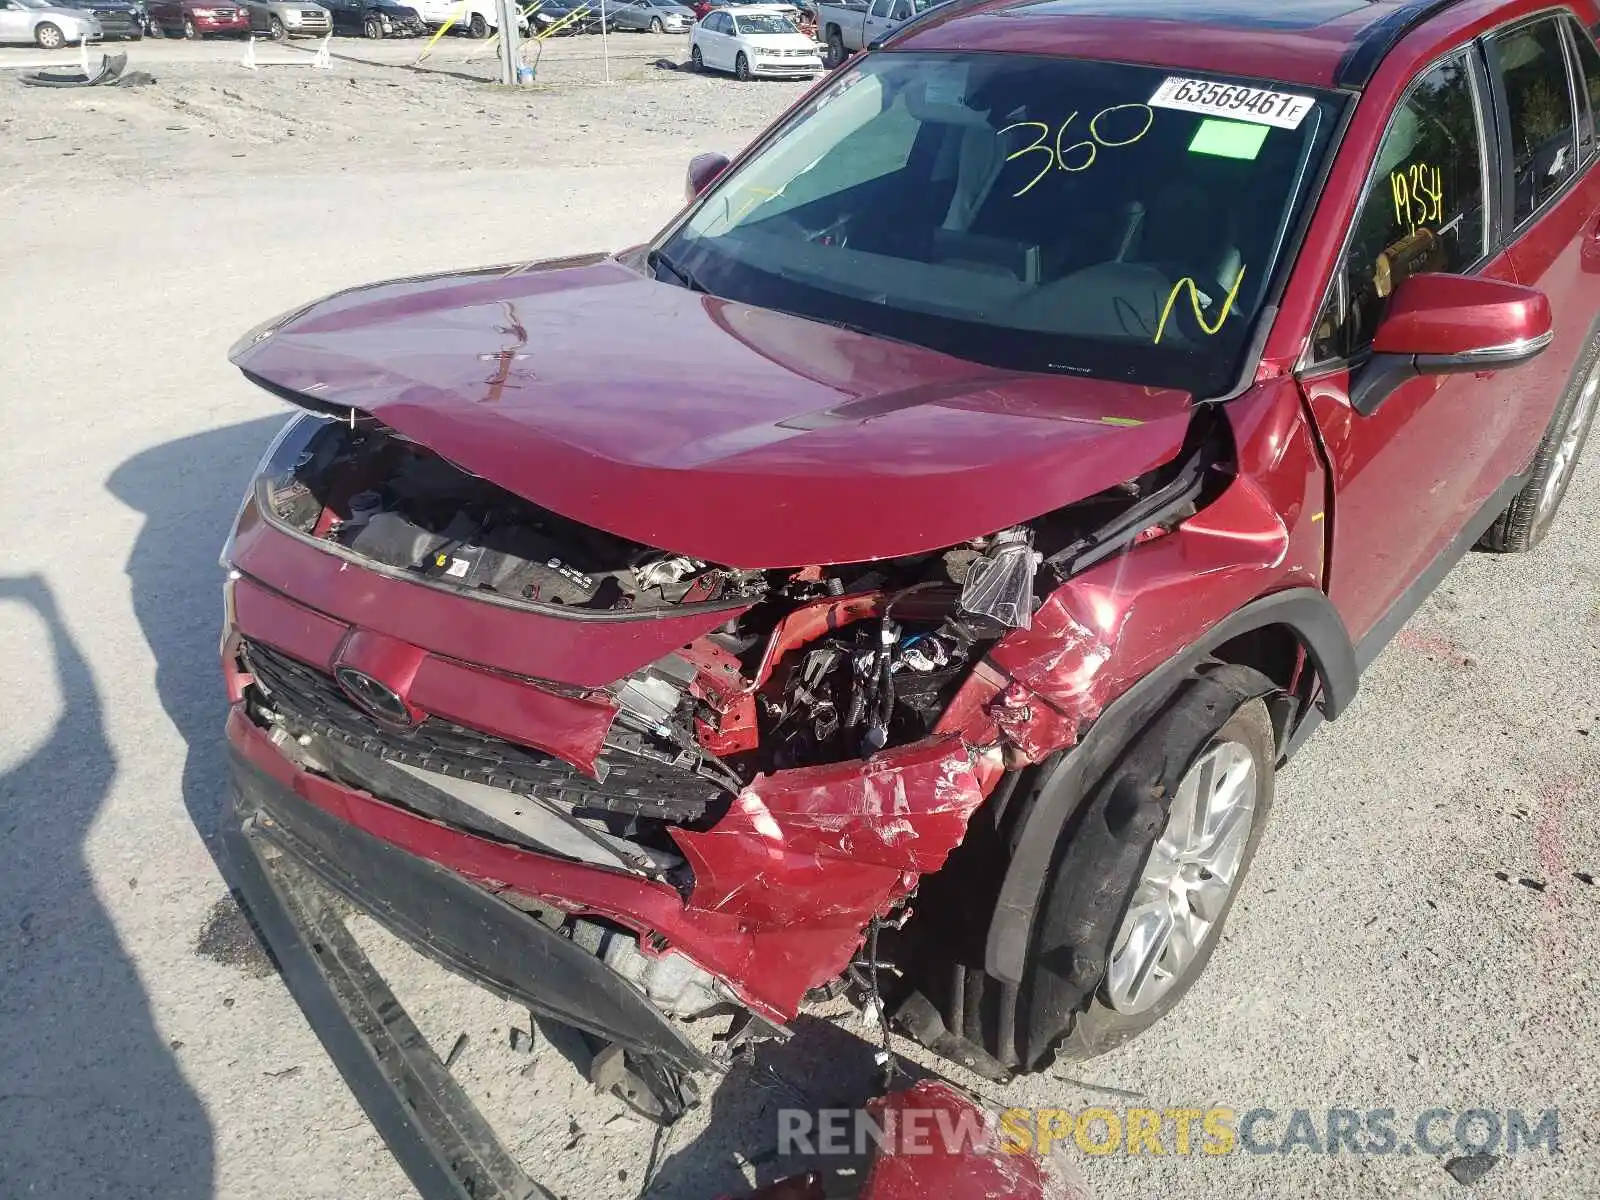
(120, 24)
(239, 24)
(786, 68)
(293, 864)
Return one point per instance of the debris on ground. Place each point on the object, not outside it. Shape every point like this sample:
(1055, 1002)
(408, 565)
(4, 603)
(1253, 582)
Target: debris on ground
(1467, 1169)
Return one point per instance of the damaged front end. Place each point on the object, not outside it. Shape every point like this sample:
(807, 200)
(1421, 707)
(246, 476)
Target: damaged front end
(712, 779)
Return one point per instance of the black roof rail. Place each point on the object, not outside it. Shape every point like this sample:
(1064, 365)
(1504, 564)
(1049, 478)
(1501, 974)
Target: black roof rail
(1360, 62)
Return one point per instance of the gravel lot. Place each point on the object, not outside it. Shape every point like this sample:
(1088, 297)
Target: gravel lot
(1418, 931)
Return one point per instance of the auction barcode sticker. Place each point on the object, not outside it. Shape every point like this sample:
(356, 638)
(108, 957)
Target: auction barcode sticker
(1262, 105)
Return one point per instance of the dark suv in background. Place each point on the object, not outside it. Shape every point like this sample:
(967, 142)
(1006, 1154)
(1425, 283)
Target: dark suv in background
(122, 20)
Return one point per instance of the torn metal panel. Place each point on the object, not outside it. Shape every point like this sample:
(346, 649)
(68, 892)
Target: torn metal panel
(839, 842)
(1101, 631)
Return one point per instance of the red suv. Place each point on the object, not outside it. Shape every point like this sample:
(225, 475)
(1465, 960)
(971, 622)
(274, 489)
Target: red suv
(978, 491)
(196, 18)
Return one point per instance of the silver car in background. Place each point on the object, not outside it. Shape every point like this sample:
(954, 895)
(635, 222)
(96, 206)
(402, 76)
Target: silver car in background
(46, 25)
(282, 19)
(650, 16)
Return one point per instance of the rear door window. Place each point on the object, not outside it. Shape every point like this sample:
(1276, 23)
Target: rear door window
(1531, 68)
(1424, 208)
(1589, 91)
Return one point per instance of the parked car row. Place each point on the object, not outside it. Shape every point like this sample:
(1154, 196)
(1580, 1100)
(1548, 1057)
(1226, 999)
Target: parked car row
(765, 37)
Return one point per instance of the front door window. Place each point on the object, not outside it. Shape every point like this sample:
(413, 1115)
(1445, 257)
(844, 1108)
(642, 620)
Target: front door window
(1424, 209)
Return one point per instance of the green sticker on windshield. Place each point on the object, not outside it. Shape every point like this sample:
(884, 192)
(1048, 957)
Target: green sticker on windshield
(1228, 139)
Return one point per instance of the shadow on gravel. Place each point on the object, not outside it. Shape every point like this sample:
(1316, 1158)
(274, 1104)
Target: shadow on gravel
(92, 1102)
(189, 491)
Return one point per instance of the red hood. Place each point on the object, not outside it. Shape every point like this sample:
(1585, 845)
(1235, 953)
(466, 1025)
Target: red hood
(734, 434)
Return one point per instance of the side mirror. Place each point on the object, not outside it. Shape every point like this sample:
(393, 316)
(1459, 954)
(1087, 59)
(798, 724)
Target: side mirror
(1446, 324)
(703, 171)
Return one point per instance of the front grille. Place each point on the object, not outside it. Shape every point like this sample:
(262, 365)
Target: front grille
(309, 701)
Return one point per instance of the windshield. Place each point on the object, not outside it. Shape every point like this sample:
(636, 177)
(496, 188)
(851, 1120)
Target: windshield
(1030, 213)
(764, 23)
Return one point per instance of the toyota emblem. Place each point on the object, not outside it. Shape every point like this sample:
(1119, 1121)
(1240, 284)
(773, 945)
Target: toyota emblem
(376, 697)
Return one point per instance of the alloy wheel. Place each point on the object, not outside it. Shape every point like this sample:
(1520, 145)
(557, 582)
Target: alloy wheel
(49, 37)
(1188, 879)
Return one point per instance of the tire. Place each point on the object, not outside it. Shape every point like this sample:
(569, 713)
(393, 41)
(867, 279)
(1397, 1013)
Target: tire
(189, 30)
(656, 26)
(697, 61)
(48, 36)
(1115, 860)
(1527, 519)
(741, 68)
(1109, 1020)
(477, 28)
(276, 30)
(836, 51)
(372, 28)
(136, 36)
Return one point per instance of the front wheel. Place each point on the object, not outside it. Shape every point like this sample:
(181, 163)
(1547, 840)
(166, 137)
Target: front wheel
(190, 31)
(372, 28)
(1526, 521)
(49, 36)
(1132, 905)
(697, 61)
(276, 29)
(477, 28)
(1172, 919)
(656, 26)
(741, 67)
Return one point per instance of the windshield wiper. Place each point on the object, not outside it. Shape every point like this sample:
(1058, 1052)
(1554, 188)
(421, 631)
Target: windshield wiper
(658, 258)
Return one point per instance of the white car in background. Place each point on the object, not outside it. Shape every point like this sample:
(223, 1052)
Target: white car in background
(752, 40)
(475, 18)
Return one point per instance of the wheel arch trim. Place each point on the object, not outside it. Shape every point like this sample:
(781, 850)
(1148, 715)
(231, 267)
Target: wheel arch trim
(1306, 612)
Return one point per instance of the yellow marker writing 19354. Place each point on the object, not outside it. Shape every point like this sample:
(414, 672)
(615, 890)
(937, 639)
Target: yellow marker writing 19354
(1418, 196)
(1194, 300)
